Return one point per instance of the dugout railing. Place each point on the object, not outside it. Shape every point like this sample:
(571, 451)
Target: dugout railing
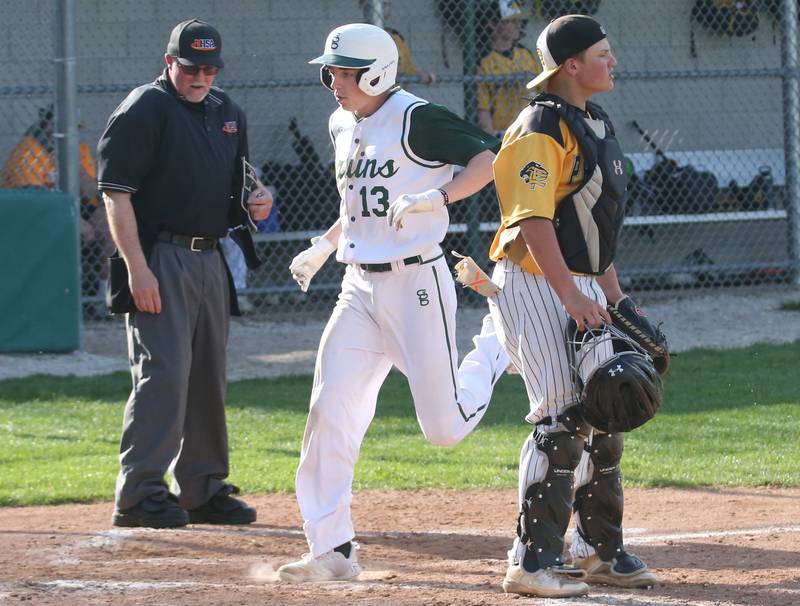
(693, 273)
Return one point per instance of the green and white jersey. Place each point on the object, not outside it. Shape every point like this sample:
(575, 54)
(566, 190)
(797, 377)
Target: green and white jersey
(406, 147)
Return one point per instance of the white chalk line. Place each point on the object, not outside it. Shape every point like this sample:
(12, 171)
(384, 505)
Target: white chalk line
(102, 586)
(712, 534)
(94, 586)
(109, 538)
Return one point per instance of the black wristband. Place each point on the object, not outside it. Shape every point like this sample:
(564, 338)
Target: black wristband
(446, 197)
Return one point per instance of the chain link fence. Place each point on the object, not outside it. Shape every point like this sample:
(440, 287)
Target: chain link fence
(701, 105)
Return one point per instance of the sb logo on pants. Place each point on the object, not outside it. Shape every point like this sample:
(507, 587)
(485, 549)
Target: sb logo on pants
(422, 295)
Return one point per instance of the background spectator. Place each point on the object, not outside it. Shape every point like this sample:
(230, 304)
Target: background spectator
(500, 102)
(406, 66)
(32, 164)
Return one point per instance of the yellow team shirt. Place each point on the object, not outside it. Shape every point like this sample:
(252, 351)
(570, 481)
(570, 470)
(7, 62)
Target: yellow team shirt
(538, 165)
(30, 164)
(504, 99)
(405, 64)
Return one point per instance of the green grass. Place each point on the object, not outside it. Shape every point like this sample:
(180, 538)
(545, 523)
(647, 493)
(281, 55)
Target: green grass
(790, 306)
(729, 418)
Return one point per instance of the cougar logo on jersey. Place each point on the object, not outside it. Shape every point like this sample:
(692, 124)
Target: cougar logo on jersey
(366, 168)
(534, 174)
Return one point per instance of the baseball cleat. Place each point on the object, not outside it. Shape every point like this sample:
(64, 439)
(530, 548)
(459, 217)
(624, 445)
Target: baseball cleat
(330, 566)
(542, 583)
(625, 571)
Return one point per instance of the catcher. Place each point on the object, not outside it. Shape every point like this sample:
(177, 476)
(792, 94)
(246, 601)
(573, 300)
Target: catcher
(561, 187)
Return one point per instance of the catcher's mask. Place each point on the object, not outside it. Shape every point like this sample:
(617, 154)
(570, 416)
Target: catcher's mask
(617, 393)
(365, 47)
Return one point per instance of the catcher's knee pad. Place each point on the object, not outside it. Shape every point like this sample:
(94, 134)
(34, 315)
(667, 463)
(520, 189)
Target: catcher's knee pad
(599, 503)
(547, 505)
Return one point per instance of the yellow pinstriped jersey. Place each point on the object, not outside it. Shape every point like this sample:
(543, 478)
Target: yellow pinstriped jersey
(538, 165)
(504, 100)
(405, 64)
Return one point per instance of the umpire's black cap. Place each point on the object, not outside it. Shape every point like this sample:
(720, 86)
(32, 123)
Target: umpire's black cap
(565, 37)
(195, 42)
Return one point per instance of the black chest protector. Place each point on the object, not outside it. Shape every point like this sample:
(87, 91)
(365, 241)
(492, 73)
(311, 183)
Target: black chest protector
(589, 220)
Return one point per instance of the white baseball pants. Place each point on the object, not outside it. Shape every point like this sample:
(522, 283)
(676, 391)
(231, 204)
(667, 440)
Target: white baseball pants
(531, 323)
(406, 318)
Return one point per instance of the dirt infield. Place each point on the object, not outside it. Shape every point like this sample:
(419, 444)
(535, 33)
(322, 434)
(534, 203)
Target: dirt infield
(722, 547)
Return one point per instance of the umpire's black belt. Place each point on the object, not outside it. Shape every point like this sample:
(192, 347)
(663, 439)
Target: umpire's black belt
(193, 243)
(407, 261)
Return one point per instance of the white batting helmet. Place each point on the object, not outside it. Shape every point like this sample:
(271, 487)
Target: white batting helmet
(361, 46)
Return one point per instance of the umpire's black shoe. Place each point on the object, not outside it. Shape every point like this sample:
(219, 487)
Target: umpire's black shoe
(222, 508)
(153, 512)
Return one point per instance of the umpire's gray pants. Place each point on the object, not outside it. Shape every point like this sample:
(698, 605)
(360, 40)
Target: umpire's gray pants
(175, 414)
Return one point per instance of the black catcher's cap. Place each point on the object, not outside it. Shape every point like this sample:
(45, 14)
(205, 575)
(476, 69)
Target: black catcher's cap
(565, 37)
(195, 42)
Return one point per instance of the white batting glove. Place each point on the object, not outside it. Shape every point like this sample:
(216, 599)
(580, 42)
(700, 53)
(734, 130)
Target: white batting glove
(426, 202)
(308, 262)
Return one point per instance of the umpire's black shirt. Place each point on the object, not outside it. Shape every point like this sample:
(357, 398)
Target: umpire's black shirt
(181, 161)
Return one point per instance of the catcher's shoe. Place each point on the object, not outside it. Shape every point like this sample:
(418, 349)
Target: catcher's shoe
(543, 583)
(330, 566)
(624, 571)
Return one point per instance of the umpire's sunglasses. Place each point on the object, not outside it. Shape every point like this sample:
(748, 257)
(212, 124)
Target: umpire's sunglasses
(193, 70)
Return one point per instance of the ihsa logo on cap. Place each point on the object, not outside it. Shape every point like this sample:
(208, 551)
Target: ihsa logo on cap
(204, 44)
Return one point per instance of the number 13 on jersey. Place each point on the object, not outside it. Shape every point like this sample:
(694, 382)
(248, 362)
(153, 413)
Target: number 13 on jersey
(379, 196)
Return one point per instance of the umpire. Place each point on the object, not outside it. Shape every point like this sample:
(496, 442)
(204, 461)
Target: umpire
(170, 168)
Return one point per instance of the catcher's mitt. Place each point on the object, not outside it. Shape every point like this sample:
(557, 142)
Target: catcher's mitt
(471, 275)
(630, 319)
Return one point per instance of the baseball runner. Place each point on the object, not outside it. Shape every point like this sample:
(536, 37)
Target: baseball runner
(561, 189)
(394, 157)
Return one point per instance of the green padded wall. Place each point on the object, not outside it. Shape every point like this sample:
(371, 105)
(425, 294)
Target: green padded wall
(39, 272)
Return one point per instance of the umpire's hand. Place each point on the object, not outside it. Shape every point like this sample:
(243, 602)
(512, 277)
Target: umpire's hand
(144, 289)
(259, 203)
